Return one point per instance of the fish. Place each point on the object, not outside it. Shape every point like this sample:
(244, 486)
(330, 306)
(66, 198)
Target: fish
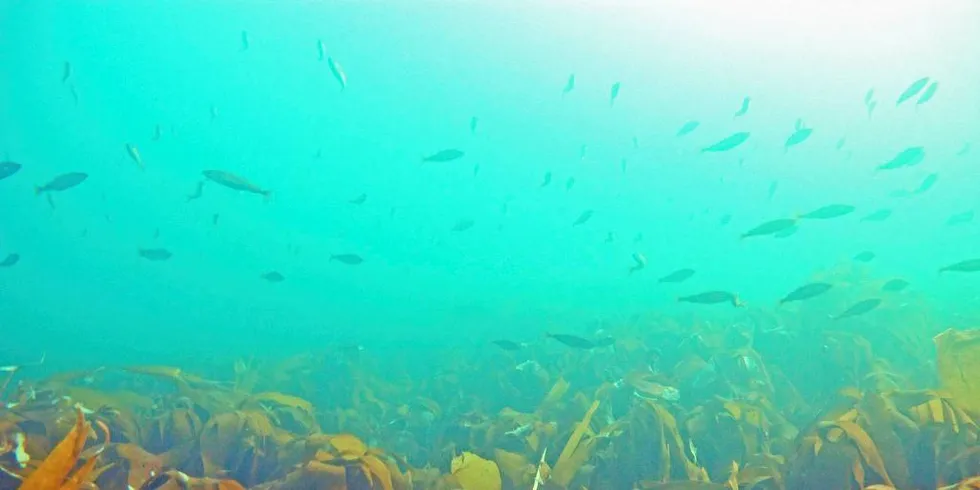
(10, 260)
(859, 308)
(879, 215)
(347, 258)
(214, 113)
(928, 93)
(338, 73)
(798, 137)
(840, 144)
(65, 72)
(895, 285)
(688, 128)
(787, 232)
(446, 155)
(640, 262)
(614, 93)
(509, 345)
(546, 180)
(157, 133)
(62, 182)
(569, 183)
(155, 254)
(235, 182)
(245, 43)
(807, 291)
(744, 108)
(960, 218)
(636, 143)
(583, 218)
(773, 186)
(582, 151)
(569, 85)
(912, 90)
(214, 219)
(830, 211)
(728, 143)
(712, 298)
(908, 157)
(971, 265)
(622, 165)
(963, 150)
(8, 169)
(771, 227)
(866, 256)
(463, 224)
(273, 276)
(927, 183)
(871, 108)
(321, 50)
(473, 123)
(610, 237)
(476, 169)
(724, 219)
(573, 341)
(868, 96)
(134, 154)
(680, 275)
(359, 199)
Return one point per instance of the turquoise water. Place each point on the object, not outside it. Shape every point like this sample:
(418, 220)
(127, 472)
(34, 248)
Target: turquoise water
(417, 74)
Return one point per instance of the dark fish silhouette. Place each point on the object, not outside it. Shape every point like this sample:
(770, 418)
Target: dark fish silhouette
(614, 93)
(960, 218)
(273, 276)
(679, 275)
(583, 218)
(808, 291)
(728, 143)
(463, 224)
(444, 156)
(235, 182)
(198, 192)
(569, 183)
(359, 199)
(688, 128)
(546, 180)
(866, 256)
(829, 212)
(895, 285)
(349, 259)
(771, 227)
(573, 341)
(908, 157)
(640, 262)
(569, 85)
(928, 93)
(927, 183)
(8, 168)
(972, 265)
(712, 298)
(879, 215)
(509, 345)
(60, 183)
(912, 90)
(798, 136)
(859, 308)
(473, 123)
(10, 260)
(155, 254)
(744, 108)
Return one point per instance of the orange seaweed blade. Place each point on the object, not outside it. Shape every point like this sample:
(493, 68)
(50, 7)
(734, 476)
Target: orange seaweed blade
(54, 470)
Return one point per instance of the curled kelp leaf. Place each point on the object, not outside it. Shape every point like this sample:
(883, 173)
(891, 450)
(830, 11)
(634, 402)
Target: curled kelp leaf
(471, 472)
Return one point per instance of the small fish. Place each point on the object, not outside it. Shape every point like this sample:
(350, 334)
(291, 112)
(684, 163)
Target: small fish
(840, 144)
(583, 218)
(473, 123)
(614, 93)
(463, 224)
(927, 183)
(348, 259)
(582, 152)
(610, 237)
(960, 218)
(798, 137)
(712, 298)
(338, 73)
(871, 108)
(866, 256)
(546, 180)
(60, 183)
(724, 220)
(155, 254)
(214, 113)
(912, 90)
(622, 165)
(509, 345)
(877, 216)
(447, 155)
(859, 308)
(235, 182)
(868, 96)
(273, 276)
(688, 128)
(677, 276)
(972, 265)
(744, 108)
(928, 93)
(321, 50)
(569, 183)
(963, 150)
(773, 186)
(640, 262)
(569, 85)
(771, 227)
(65, 72)
(8, 168)
(727, 144)
(214, 219)
(573, 341)
(908, 157)
(10, 260)
(476, 169)
(895, 285)
(157, 133)
(807, 291)
(156, 233)
(636, 143)
(359, 199)
(245, 43)
(134, 154)
(829, 212)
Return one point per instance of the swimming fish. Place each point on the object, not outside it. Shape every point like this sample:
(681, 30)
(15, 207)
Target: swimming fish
(928, 93)
(476, 169)
(895, 285)
(569, 183)
(677, 276)
(582, 151)
(807, 291)
(727, 144)
(744, 108)
(879, 215)
(868, 96)
(155, 254)
(65, 72)
(927, 183)
(473, 123)
(273, 276)
(62, 182)
(871, 108)
(447, 155)
(908, 157)
(912, 90)
(840, 144)
(245, 43)
(712, 298)
(235, 182)
(569, 85)
(338, 73)
(321, 50)
(640, 262)
(361, 199)
(622, 165)
(10, 260)
(830, 211)
(771, 227)
(859, 308)
(688, 128)
(573, 341)
(866, 256)
(463, 224)
(348, 259)
(960, 218)
(157, 133)
(134, 154)
(788, 232)
(724, 220)
(798, 136)
(773, 186)
(636, 143)
(509, 345)
(583, 218)
(8, 168)
(546, 180)
(614, 93)
(972, 265)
